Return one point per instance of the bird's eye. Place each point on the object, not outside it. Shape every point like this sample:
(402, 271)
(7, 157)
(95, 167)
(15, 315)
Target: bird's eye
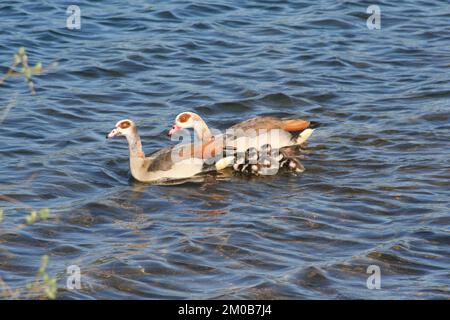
(125, 125)
(184, 117)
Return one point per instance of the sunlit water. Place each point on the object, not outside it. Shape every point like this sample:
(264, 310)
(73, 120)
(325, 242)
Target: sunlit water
(376, 186)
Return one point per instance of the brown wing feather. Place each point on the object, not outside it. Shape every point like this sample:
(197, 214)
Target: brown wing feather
(295, 125)
(272, 123)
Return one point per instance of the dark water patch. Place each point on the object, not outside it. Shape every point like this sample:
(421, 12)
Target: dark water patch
(205, 10)
(167, 16)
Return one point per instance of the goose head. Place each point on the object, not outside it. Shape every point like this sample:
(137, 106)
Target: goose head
(124, 128)
(184, 120)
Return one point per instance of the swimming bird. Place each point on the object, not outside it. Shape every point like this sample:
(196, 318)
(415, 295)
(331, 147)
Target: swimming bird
(288, 128)
(170, 163)
(250, 137)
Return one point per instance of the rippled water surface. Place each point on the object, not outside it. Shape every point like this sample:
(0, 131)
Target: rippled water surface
(376, 186)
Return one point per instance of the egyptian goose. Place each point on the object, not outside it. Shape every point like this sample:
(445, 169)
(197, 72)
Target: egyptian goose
(248, 139)
(170, 163)
(289, 127)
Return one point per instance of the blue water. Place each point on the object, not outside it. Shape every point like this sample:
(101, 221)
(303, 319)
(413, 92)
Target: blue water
(376, 186)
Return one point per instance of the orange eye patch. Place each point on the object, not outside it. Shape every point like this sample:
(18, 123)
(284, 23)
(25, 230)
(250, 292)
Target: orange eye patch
(125, 124)
(184, 117)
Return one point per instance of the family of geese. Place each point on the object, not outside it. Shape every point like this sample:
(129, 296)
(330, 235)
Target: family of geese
(258, 146)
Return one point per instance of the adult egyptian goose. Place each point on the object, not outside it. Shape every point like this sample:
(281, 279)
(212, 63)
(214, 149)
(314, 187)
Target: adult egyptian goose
(252, 141)
(290, 128)
(170, 163)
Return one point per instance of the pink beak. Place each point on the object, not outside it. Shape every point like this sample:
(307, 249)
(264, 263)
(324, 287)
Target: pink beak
(174, 129)
(112, 134)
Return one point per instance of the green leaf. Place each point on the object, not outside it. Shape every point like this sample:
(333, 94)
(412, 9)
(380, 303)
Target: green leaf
(17, 59)
(44, 263)
(51, 293)
(32, 217)
(44, 213)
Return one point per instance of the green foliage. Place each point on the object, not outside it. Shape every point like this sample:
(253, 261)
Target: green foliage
(21, 58)
(35, 216)
(43, 283)
(43, 286)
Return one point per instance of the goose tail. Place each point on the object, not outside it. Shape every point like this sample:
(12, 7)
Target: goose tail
(305, 135)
